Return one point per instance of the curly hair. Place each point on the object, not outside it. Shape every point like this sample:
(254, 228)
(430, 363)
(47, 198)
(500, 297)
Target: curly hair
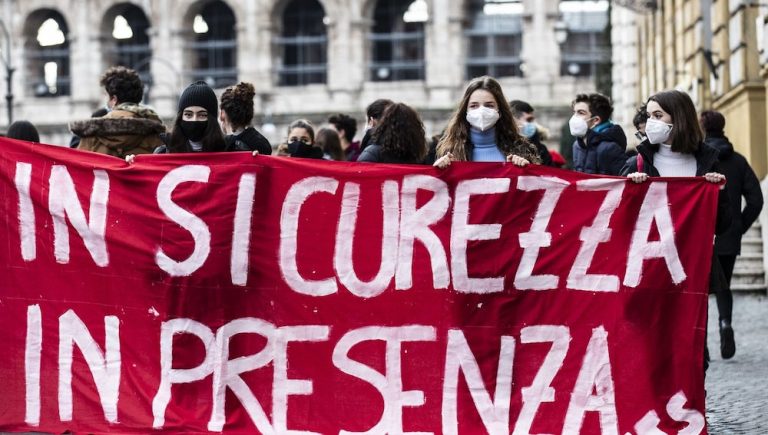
(508, 139)
(237, 102)
(400, 134)
(123, 83)
(344, 122)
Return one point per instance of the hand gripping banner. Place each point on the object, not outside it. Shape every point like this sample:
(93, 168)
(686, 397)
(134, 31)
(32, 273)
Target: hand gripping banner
(229, 293)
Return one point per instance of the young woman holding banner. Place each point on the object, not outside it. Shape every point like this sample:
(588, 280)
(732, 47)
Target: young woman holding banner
(196, 128)
(674, 147)
(482, 129)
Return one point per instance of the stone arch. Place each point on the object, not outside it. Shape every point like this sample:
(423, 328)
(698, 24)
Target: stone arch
(133, 49)
(210, 55)
(46, 39)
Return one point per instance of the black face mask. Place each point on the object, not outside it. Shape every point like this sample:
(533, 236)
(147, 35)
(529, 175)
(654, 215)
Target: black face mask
(300, 149)
(194, 130)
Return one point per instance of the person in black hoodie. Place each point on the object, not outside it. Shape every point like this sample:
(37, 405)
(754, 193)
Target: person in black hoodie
(236, 116)
(600, 145)
(742, 182)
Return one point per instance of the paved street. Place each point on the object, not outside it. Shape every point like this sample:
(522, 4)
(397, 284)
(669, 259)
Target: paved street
(737, 389)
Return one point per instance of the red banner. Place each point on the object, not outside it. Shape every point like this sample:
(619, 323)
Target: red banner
(224, 292)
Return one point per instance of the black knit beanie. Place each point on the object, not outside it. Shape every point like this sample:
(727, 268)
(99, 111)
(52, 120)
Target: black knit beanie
(23, 130)
(199, 94)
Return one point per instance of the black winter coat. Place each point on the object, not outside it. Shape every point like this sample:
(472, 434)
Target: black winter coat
(601, 153)
(249, 140)
(706, 161)
(374, 153)
(740, 181)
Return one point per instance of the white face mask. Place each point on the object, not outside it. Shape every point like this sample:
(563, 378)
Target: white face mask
(656, 131)
(578, 126)
(482, 118)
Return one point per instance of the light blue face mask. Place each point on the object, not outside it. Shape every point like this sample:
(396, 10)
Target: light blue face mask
(528, 129)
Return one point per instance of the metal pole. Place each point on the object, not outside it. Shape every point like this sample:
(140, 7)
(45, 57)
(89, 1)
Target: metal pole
(8, 71)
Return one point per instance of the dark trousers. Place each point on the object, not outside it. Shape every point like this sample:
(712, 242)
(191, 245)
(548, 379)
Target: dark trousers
(724, 296)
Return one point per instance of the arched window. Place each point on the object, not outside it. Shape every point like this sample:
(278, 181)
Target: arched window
(213, 45)
(397, 40)
(586, 47)
(495, 38)
(126, 39)
(47, 54)
(302, 44)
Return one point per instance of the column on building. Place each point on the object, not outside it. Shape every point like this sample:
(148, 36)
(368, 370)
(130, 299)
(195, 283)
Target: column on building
(85, 58)
(624, 35)
(445, 51)
(166, 41)
(541, 52)
(348, 28)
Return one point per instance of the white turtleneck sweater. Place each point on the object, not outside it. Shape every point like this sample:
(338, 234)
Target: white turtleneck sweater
(673, 164)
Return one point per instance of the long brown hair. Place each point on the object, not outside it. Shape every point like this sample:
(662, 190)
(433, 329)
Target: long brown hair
(400, 133)
(508, 139)
(328, 140)
(686, 134)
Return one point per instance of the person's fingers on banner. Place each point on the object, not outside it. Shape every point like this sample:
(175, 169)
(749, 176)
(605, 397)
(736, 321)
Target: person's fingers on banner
(517, 160)
(716, 178)
(638, 177)
(444, 161)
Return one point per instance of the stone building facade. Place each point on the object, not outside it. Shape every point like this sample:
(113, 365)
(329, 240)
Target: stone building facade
(306, 58)
(712, 49)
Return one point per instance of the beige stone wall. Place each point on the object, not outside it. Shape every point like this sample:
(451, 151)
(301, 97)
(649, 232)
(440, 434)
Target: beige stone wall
(671, 40)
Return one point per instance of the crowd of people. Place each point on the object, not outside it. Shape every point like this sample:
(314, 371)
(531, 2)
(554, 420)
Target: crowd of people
(484, 127)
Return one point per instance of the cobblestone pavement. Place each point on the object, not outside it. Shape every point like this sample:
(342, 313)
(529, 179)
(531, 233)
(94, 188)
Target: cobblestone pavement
(737, 389)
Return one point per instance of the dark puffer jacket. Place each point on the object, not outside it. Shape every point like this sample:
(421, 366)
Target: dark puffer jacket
(706, 161)
(740, 181)
(601, 153)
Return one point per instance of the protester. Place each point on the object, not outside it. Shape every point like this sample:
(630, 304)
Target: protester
(196, 128)
(482, 129)
(675, 148)
(373, 113)
(346, 126)
(398, 138)
(526, 124)
(600, 144)
(742, 182)
(129, 127)
(301, 140)
(23, 130)
(641, 117)
(236, 117)
(328, 140)
(74, 142)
